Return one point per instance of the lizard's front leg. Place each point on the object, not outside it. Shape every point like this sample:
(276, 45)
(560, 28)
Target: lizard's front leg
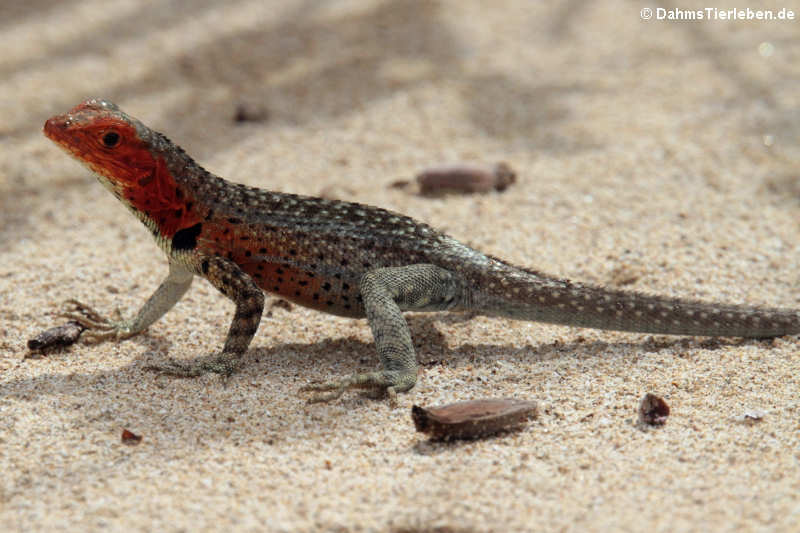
(99, 328)
(386, 293)
(234, 283)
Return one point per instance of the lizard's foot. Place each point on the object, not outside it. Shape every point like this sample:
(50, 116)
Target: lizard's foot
(223, 364)
(98, 328)
(380, 383)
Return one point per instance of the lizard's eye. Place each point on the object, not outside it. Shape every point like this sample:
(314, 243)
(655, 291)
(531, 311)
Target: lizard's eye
(111, 139)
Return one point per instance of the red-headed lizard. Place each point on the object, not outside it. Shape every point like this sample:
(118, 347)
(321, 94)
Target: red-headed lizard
(338, 257)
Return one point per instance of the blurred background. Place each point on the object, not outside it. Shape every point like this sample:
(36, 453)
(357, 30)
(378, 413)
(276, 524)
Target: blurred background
(591, 103)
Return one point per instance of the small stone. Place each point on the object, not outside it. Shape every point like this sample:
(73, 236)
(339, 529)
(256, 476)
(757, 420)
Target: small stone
(653, 410)
(248, 112)
(473, 419)
(130, 438)
(465, 179)
(752, 416)
(63, 335)
(399, 184)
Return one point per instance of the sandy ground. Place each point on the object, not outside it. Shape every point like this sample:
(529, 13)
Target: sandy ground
(658, 153)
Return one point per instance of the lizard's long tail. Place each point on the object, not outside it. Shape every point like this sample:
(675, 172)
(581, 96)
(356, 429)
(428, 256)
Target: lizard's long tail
(513, 292)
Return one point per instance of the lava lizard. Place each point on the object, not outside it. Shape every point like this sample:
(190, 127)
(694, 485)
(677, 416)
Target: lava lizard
(339, 257)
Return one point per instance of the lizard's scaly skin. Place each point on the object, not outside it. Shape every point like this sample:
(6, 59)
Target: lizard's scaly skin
(339, 257)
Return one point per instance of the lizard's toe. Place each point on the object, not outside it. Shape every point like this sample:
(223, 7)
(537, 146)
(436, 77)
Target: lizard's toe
(82, 314)
(380, 384)
(326, 391)
(176, 368)
(222, 365)
(97, 327)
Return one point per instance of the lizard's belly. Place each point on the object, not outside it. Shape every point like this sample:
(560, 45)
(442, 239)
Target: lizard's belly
(331, 294)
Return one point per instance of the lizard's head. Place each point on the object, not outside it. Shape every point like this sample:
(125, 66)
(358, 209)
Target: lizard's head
(129, 159)
(106, 140)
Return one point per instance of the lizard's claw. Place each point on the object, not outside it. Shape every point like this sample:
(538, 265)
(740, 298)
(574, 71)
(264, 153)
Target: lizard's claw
(221, 364)
(325, 392)
(98, 328)
(377, 384)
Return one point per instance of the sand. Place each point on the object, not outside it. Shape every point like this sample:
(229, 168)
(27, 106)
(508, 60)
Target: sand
(657, 154)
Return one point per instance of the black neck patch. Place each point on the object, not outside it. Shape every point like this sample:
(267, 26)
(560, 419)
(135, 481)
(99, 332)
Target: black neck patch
(186, 238)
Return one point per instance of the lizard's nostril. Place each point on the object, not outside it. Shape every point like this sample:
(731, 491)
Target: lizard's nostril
(49, 127)
(55, 124)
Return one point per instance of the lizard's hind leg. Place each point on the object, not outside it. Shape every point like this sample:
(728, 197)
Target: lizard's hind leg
(386, 293)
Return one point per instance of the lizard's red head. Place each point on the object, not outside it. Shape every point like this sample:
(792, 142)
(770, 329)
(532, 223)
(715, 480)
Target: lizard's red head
(106, 140)
(128, 159)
